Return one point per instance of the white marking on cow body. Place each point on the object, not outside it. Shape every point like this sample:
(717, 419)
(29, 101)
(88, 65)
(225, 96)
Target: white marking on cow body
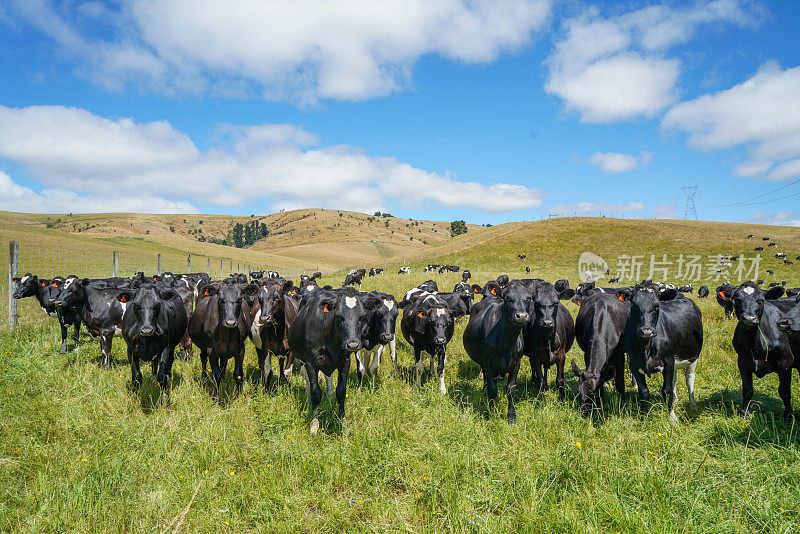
(255, 330)
(124, 306)
(350, 302)
(24, 279)
(117, 331)
(748, 290)
(389, 304)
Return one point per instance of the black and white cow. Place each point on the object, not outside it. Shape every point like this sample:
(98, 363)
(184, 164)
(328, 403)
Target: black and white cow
(764, 341)
(98, 309)
(31, 285)
(272, 313)
(374, 271)
(328, 328)
(219, 327)
(466, 275)
(381, 323)
(493, 339)
(404, 270)
(599, 327)
(664, 333)
(153, 324)
(427, 325)
(548, 335)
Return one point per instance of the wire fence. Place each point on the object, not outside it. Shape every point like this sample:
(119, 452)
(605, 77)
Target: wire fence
(47, 262)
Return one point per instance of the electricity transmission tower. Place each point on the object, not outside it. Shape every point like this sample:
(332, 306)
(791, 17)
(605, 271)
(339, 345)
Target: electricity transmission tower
(690, 211)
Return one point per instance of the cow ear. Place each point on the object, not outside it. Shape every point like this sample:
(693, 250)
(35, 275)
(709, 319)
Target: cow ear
(774, 293)
(124, 297)
(209, 290)
(16, 279)
(421, 314)
(287, 286)
(54, 284)
(85, 282)
(668, 294)
(476, 289)
(326, 307)
(566, 294)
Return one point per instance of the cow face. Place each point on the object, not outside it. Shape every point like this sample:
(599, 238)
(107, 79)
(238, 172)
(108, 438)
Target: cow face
(545, 307)
(71, 292)
(270, 297)
(791, 321)
(516, 303)
(437, 322)
(53, 290)
(748, 304)
(27, 286)
(384, 313)
(229, 302)
(645, 307)
(349, 316)
(145, 304)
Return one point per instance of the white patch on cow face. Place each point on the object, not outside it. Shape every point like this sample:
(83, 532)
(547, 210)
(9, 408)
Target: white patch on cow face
(69, 282)
(389, 304)
(748, 290)
(311, 288)
(350, 302)
(440, 312)
(24, 279)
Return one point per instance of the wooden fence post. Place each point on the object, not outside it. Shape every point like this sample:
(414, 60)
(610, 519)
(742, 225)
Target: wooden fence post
(13, 253)
(115, 268)
(189, 263)
(158, 269)
(208, 267)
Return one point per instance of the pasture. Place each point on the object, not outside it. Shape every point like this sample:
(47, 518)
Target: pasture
(80, 453)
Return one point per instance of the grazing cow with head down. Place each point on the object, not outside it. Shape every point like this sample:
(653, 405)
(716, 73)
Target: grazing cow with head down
(153, 324)
(404, 270)
(427, 325)
(664, 333)
(762, 341)
(599, 326)
(466, 275)
(548, 336)
(272, 313)
(703, 292)
(493, 339)
(328, 328)
(219, 327)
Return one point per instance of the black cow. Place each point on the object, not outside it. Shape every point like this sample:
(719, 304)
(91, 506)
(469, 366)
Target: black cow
(466, 275)
(427, 324)
(664, 333)
(272, 313)
(703, 292)
(765, 238)
(31, 285)
(759, 249)
(724, 294)
(527, 269)
(375, 271)
(685, 289)
(328, 328)
(761, 344)
(788, 262)
(770, 271)
(599, 327)
(503, 280)
(382, 314)
(153, 324)
(793, 291)
(773, 244)
(219, 326)
(548, 336)
(749, 236)
(493, 339)
(46, 293)
(98, 308)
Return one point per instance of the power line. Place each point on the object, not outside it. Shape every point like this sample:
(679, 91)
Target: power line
(745, 202)
(690, 211)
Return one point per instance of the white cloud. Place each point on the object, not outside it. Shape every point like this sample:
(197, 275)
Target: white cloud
(612, 69)
(614, 163)
(589, 207)
(665, 211)
(294, 50)
(762, 113)
(73, 152)
(15, 197)
(780, 218)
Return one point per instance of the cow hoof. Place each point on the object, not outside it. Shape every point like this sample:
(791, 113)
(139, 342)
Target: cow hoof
(106, 366)
(512, 419)
(673, 419)
(443, 390)
(314, 426)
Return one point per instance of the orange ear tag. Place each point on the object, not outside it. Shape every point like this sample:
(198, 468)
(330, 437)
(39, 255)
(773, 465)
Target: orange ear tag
(622, 298)
(325, 308)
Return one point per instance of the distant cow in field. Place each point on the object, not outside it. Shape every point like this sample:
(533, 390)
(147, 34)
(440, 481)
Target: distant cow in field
(375, 271)
(703, 292)
(759, 249)
(522, 256)
(354, 277)
(664, 333)
(404, 270)
(466, 275)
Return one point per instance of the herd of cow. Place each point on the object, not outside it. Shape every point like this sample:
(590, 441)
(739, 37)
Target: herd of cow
(657, 326)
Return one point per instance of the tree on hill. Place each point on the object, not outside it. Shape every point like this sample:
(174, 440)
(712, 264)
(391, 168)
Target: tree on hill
(458, 228)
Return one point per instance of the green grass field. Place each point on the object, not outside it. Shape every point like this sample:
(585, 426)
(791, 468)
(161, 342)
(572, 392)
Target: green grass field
(81, 453)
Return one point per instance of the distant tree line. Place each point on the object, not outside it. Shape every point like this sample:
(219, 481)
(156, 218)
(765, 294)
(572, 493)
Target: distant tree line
(244, 235)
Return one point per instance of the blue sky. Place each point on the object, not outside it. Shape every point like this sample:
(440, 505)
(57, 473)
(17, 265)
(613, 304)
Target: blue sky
(487, 111)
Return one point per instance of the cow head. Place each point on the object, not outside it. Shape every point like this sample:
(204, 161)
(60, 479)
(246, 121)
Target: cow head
(516, 303)
(145, 304)
(545, 306)
(52, 289)
(346, 310)
(270, 297)
(72, 291)
(229, 300)
(27, 286)
(645, 307)
(436, 321)
(383, 315)
(748, 302)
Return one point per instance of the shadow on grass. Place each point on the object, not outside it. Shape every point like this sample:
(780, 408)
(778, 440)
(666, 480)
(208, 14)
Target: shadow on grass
(150, 394)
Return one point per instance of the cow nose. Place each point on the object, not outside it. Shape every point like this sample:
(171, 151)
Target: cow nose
(749, 319)
(521, 317)
(267, 319)
(647, 332)
(439, 340)
(352, 345)
(146, 330)
(387, 337)
(229, 323)
(547, 323)
(783, 324)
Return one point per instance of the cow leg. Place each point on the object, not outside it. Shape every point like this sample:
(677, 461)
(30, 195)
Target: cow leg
(668, 389)
(644, 393)
(618, 361)
(746, 373)
(536, 375)
(203, 361)
(265, 366)
(393, 354)
(286, 373)
(154, 367)
(440, 370)
(63, 348)
(136, 374)
(360, 369)
(314, 394)
(511, 390)
(420, 365)
(164, 376)
(76, 332)
(105, 348)
(375, 366)
(216, 374)
(785, 393)
(341, 384)
(432, 364)
(561, 384)
(689, 372)
(238, 370)
(491, 387)
(329, 383)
